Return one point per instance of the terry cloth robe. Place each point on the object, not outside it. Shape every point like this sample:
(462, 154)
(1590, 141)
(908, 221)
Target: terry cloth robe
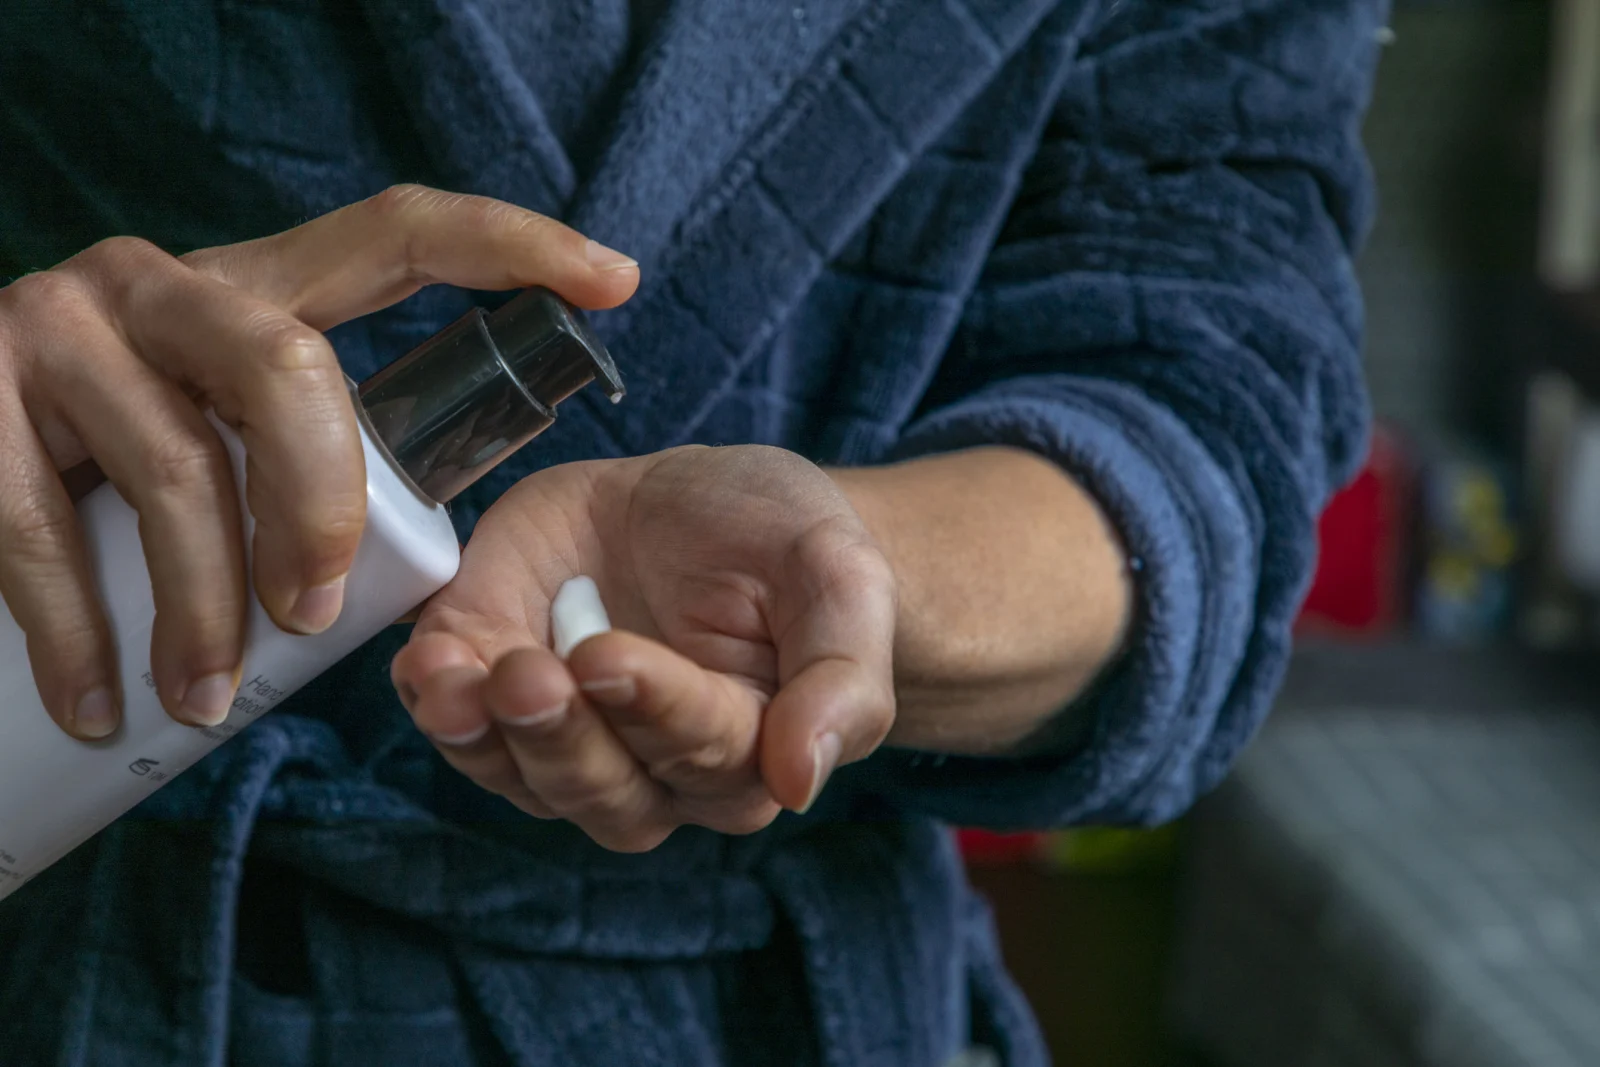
(1115, 232)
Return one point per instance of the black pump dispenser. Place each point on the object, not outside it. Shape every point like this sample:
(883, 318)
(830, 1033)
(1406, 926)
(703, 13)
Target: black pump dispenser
(454, 407)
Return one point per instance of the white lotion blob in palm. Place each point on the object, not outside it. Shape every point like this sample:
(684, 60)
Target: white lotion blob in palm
(577, 614)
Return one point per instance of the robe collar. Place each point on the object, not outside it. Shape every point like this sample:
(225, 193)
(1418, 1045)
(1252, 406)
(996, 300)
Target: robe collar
(750, 143)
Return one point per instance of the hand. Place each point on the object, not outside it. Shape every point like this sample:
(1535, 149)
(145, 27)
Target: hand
(753, 652)
(113, 357)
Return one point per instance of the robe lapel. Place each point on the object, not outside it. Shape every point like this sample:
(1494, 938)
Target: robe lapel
(481, 128)
(716, 72)
(752, 142)
(756, 140)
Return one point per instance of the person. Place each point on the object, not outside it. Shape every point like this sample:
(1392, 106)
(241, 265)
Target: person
(1027, 334)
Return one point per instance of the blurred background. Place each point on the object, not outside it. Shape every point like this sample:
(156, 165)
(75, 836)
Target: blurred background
(1405, 868)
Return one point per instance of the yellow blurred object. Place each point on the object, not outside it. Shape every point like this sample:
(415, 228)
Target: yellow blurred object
(1481, 503)
(1454, 575)
(1113, 850)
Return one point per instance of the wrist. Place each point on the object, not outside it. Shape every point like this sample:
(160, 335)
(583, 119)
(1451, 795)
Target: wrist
(872, 492)
(1014, 592)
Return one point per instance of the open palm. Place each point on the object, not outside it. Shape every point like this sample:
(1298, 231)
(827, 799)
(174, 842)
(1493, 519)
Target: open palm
(753, 650)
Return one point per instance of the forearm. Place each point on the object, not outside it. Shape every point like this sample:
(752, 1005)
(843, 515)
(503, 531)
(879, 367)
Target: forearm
(1014, 593)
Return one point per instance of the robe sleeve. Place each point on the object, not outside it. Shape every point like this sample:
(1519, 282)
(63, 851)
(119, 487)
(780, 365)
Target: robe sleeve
(1171, 313)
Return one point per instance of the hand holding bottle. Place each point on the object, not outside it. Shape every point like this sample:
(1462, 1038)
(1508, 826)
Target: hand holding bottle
(110, 361)
(755, 624)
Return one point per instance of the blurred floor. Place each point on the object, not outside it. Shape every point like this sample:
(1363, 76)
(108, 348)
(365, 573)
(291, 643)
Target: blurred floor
(1091, 952)
(1404, 870)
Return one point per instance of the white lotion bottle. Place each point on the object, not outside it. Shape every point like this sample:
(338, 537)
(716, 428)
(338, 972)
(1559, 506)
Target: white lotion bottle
(432, 423)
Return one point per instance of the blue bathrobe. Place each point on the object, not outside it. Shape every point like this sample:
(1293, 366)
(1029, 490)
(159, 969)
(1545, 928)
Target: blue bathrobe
(1115, 232)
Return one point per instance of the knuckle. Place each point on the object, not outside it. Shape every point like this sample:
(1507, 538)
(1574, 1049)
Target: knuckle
(417, 211)
(67, 647)
(321, 530)
(695, 769)
(70, 639)
(211, 636)
(35, 535)
(117, 263)
(399, 203)
(120, 254)
(837, 555)
(48, 295)
(587, 799)
(179, 462)
(864, 564)
(402, 208)
(499, 215)
(208, 621)
(331, 530)
(290, 347)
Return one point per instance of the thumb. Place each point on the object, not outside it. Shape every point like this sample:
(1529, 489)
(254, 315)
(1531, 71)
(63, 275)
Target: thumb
(836, 700)
(834, 712)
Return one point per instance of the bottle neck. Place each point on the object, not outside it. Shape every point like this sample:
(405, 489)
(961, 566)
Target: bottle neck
(377, 448)
(466, 399)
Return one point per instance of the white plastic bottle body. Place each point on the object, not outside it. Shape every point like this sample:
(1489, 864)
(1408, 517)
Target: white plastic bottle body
(57, 792)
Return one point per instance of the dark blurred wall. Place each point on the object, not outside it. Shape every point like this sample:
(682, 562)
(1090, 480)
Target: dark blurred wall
(1449, 273)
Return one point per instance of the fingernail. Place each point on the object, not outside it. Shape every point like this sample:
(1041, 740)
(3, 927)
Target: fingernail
(602, 258)
(610, 692)
(207, 700)
(548, 717)
(461, 740)
(96, 714)
(824, 758)
(318, 607)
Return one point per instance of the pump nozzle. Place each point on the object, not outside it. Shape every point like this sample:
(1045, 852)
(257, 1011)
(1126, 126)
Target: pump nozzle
(458, 404)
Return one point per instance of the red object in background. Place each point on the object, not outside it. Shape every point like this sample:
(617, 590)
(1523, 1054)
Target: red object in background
(986, 848)
(1363, 547)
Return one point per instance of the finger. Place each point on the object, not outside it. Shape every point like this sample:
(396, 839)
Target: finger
(835, 662)
(414, 665)
(448, 707)
(378, 252)
(570, 759)
(48, 588)
(277, 382)
(530, 804)
(490, 630)
(440, 681)
(167, 462)
(695, 730)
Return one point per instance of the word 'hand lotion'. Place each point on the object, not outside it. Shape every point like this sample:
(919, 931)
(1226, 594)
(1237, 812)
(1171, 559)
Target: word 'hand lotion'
(432, 424)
